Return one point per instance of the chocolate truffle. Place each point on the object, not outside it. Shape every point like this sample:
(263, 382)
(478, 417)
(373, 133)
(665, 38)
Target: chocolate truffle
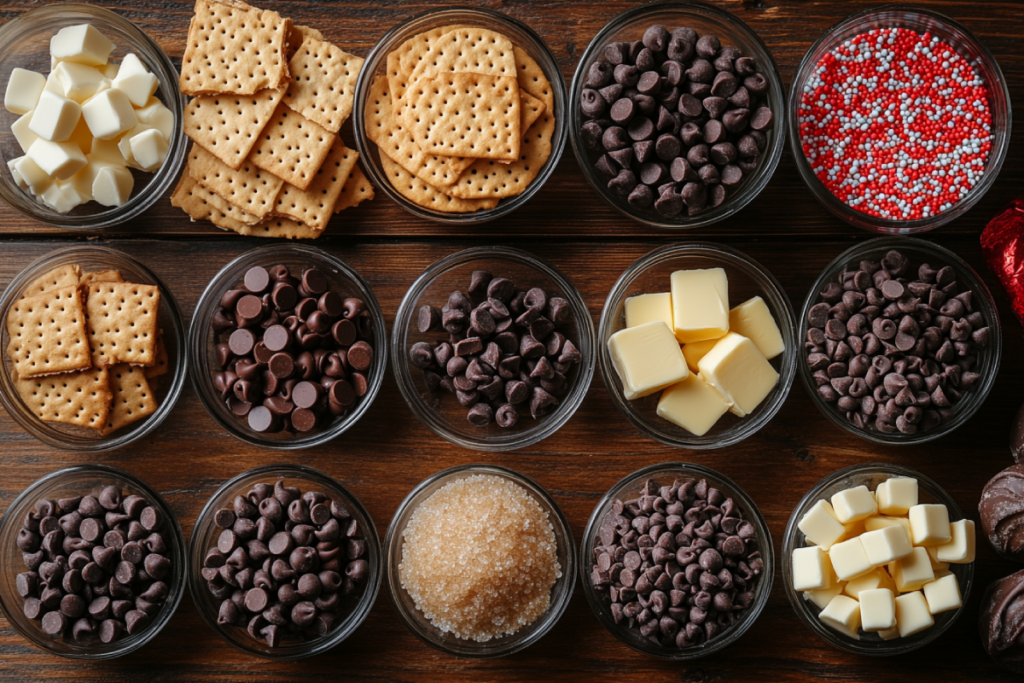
(1017, 435)
(1001, 622)
(1002, 512)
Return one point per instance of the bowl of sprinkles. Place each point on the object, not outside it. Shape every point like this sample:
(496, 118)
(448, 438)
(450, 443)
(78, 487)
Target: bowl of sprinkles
(899, 119)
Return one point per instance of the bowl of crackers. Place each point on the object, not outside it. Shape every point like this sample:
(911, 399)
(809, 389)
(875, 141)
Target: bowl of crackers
(93, 349)
(459, 114)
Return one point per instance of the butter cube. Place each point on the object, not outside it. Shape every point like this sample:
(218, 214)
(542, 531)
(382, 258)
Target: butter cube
(897, 495)
(912, 615)
(960, 549)
(80, 82)
(877, 610)
(37, 179)
(822, 597)
(645, 308)
(694, 351)
(885, 545)
(160, 117)
(82, 180)
(842, 614)
(819, 524)
(943, 594)
(929, 525)
(61, 160)
(739, 372)
(61, 197)
(849, 560)
(55, 117)
(107, 150)
(109, 114)
(913, 571)
(12, 165)
(693, 405)
(881, 521)
(53, 85)
(647, 358)
(855, 504)
(753, 320)
(937, 564)
(112, 185)
(23, 90)
(700, 304)
(811, 569)
(135, 81)
(150, 149)
(876, 578)
(22, 133)
(81, 44)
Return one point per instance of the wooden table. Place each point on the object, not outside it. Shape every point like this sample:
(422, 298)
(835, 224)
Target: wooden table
(389, 451)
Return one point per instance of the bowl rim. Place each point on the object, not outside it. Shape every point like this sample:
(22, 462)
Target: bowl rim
(849, 214)
(771, 71)
(366, 147)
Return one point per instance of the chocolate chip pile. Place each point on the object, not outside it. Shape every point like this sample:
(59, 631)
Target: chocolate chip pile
(504, 352)
(292, 352)
(679, 563)
(98, 566)
(677, 118)
(894, 352)
(285, 562)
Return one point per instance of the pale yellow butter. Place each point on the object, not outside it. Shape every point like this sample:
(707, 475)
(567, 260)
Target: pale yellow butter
(753, 320)
(877, 609)
(739, 372)
(694, 351)
(700, 304)
(647, 359)
(960, 549)
(912, 615)
(645, 308)
(693, 405)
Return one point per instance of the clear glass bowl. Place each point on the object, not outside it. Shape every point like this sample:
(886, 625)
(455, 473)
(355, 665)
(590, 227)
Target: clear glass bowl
(25, 43)
(441, 411)
(76, 481)
(414, 620)
(918, 251)
(523, 37)
(747, 278)
(202, 340)
(921, 20)
(168, 386)
(870, 475)
(630, 487)
(204, 537)
(703, 18)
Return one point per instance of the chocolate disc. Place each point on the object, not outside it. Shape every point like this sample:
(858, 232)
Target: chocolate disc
(261, 419)
(249, 307)
(314, 281)
(344, 332)
(257, 279)
(342, 393)
(305, 394)
(241, 342)
(303, 419)
(332, 304)
(281, 365)
(261, 353)
(277, 338)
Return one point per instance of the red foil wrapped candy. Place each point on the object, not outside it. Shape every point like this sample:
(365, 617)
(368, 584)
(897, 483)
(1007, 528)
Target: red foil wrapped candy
(1002, 242)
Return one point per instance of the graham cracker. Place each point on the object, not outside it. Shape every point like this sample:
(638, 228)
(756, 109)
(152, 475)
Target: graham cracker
(132, 398)
(227, 126)
(292, 147)
(470, 49)
(357, 190)
(226, 207)
(530, 109)
(323, 85)
(234, 48)
(48, 333)
(403, 60)
(298, 34)
(274, 226)
(200, 203)
(314, 205)
(61, 276)
(162, 364)
(419, 192)
(76, 398)
(101, 276)
(121, 318)
(250, 189)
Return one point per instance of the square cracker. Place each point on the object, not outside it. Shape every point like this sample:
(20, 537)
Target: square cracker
(48, 333)
(314, 205)
(121, 318)
(200, 203)
(248, 188)
(298, 34)
(223, 205)
(61, 276)
(234, 48)
(469, 49)
(419, 192)
(276, 226)
(101, 276)
(228, 126)
(132, 398)
(292, 147)
(323, 85)
(76, 398)
(162, 364)
(357, 190)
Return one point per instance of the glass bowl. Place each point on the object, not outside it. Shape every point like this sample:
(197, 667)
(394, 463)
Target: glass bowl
(561, 592)
(202, 340)
(630, 487)
(25, 43)
(703, 18)
(204, 537)
(918, 251)
(920, 20)
(870, 475)
(523, 37)
(442, 412)
(70, 482)
(168, 386)
(747, 278)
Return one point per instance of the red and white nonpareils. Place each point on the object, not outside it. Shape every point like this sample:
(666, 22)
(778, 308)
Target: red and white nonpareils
(896, 124)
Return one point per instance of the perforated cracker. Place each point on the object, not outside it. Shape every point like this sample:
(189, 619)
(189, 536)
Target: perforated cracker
(121, 318)
(323, 83)
(101, 276)
(76, 398)
(276, 226)
(223, 205)
(61, 276)
(314, 205)
(530, 109)
(162, 364)
(292, 147)
(132, 398)
(249, 188)
(403, 59)
(419, 192)
(228, 126)
(357, 190)
(199, 203)
(297, 34)
(464, 50)
(48, 333)
(234, 48)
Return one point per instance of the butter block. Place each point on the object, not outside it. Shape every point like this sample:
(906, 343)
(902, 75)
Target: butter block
(22, 133)
(929, 525)
(854, 504)
(54, 117)
(877, 610)
(885, 545)
(80, 82)
(912, 571)
(647, 358)
(739, 372)
(12, 166)
(82, 44)
(107, 150)
(694, 351)
(897, 495)
(160, 117)
(37, 179)
(876, 578)
(943, 594)
(700, 304)
(646, 308)
(753, 320)
(842, 614)
(960, 549)
(124, 143)
(135, 81)
(61, 160)
(819, 525)
(61, 197)
(109, 114)
(693, 405)
(912, 615)
(881, 521)
(149, 150)
(849, 560)
(23, 90)
(822, 597)
(112, 185)
(812, 570)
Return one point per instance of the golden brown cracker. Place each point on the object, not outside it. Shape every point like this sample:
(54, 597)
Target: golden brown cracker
(292, 147)
(223, 205)
(48, 333)
(357, 190)
(228, 126)
(61, 276)
(162, 364)
(423, 194)
(77, 398)
(133, 398)
(101, 276)
(470, 49)
(201, 204)
(323, 83)
(314, 205)
(276, 226)
(249, 188)
(121, 318)
(297, 34)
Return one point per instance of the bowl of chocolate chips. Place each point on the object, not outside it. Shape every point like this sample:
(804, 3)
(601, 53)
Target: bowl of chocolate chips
(676, 114)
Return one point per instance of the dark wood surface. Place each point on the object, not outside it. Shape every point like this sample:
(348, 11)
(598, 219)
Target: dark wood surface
(389, 452)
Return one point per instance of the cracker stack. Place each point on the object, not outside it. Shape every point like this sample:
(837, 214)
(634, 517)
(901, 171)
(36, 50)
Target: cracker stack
(86, 348)
(269, 100)
(463, 118)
